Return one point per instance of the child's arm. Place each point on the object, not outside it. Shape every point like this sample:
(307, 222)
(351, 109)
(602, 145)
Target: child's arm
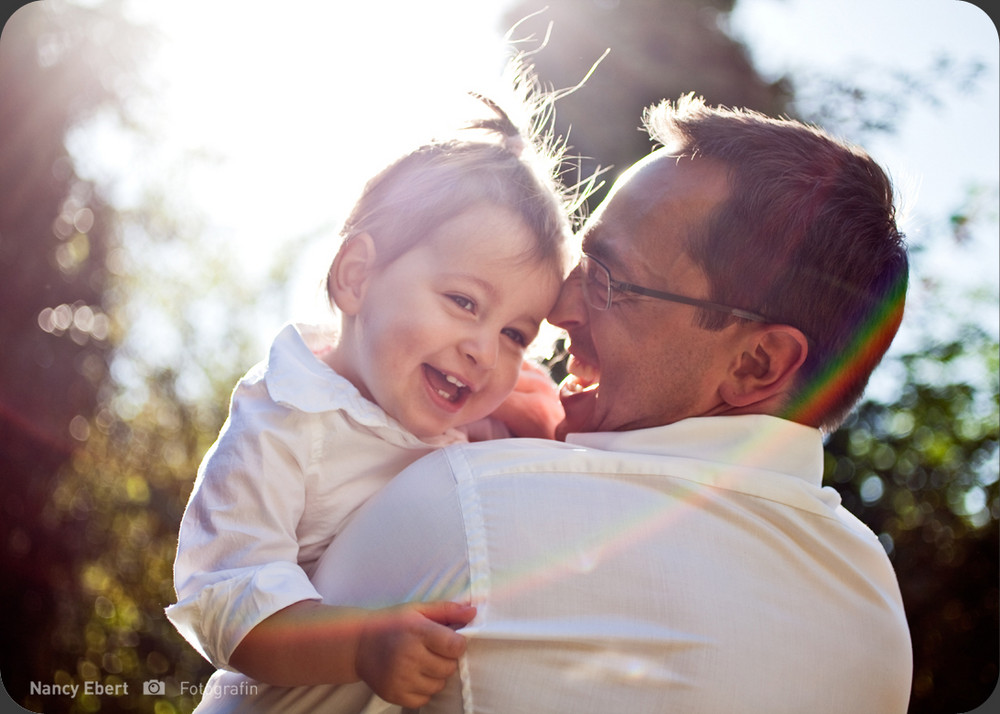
(245, 602)
(239, 584)
(404, 653)
(533, 409)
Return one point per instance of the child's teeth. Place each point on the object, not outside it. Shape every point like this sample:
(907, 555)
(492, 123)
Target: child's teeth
(454, 380)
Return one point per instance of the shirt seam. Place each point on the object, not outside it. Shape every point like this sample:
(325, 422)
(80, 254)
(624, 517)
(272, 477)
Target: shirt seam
(477, 556)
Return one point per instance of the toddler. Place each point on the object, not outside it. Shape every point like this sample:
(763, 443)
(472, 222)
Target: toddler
(450, 260)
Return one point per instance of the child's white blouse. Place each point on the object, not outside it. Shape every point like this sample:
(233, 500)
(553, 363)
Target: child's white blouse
(300, 452)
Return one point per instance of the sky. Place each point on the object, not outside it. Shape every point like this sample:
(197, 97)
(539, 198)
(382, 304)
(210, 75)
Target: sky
(289, 110)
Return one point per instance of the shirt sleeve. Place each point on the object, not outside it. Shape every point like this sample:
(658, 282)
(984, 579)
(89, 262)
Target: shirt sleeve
(237, 549)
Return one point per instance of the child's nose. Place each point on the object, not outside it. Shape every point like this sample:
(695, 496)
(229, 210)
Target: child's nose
(482, 348)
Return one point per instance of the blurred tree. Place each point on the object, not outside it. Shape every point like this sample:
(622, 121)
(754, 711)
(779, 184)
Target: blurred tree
(123, 497)
(659, 49)
(123, 333)
(100, 435)
(862, 111)
(922, 473)
(56, 69)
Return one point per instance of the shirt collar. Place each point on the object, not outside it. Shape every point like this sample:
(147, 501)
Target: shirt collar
(296, 377)
(756, 442)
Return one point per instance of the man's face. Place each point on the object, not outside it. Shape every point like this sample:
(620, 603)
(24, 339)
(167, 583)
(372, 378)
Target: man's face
(644, 362)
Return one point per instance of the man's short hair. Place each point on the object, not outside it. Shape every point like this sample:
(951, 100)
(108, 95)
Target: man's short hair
(808, 238)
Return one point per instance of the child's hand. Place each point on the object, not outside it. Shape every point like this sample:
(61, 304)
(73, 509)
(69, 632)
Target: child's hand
(533, 408)
(406, 653)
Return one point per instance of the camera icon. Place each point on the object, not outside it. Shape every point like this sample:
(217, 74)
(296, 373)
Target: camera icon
(154, 687)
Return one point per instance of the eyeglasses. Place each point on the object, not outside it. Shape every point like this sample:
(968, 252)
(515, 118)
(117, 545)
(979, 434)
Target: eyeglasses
(599, 288)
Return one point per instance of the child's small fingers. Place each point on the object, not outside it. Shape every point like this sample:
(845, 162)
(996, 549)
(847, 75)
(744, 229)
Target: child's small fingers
(424, 686)
(447, 613)
(410, 701)
(443, 642)
(436, 670)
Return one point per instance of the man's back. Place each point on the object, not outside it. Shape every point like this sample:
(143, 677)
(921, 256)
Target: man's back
(697, 567)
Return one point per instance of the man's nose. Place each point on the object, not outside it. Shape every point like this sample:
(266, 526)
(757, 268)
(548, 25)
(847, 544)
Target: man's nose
(570, 308)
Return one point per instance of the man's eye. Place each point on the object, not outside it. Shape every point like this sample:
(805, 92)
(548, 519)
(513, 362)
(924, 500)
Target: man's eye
(463, 302)
(516, 336)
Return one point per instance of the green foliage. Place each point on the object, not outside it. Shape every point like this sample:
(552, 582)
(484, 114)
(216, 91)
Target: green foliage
(118, 504)
(57, 68)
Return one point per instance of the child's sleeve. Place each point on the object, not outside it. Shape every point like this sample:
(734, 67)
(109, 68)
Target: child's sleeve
(237, 549)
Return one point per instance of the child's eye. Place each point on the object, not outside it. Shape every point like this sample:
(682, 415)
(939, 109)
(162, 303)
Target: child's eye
(463, 302)
(516, 336)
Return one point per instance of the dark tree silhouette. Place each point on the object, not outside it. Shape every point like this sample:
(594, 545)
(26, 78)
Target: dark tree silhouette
(55, 232)
(658, 50)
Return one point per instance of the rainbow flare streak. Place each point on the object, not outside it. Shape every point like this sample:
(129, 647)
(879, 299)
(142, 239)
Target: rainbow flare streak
(855, 363)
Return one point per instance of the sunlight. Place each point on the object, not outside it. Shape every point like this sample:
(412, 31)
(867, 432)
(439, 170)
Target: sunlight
(271, 119)
(267, 122)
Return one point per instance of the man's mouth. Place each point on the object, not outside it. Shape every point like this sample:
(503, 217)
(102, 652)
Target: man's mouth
(447, 386)
(578, 395)
(582, 376)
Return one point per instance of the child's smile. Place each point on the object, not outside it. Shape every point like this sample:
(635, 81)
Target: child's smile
(447, 386)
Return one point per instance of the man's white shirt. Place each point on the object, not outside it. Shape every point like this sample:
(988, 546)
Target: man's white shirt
(696, 567)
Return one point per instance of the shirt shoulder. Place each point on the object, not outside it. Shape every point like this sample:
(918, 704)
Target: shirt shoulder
(496, 457)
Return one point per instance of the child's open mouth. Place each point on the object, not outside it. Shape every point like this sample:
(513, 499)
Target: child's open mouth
(446, 386)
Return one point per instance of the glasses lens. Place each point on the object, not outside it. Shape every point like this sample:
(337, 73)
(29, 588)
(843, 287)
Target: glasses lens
(596, 283)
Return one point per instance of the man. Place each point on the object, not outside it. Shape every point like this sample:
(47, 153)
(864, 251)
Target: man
(677, 552)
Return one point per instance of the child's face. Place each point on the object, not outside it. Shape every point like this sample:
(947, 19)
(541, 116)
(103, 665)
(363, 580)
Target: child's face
(441, 331)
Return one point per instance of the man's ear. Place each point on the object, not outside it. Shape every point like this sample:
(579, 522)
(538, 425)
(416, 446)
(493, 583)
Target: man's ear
(766, 366)
(350, 273)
